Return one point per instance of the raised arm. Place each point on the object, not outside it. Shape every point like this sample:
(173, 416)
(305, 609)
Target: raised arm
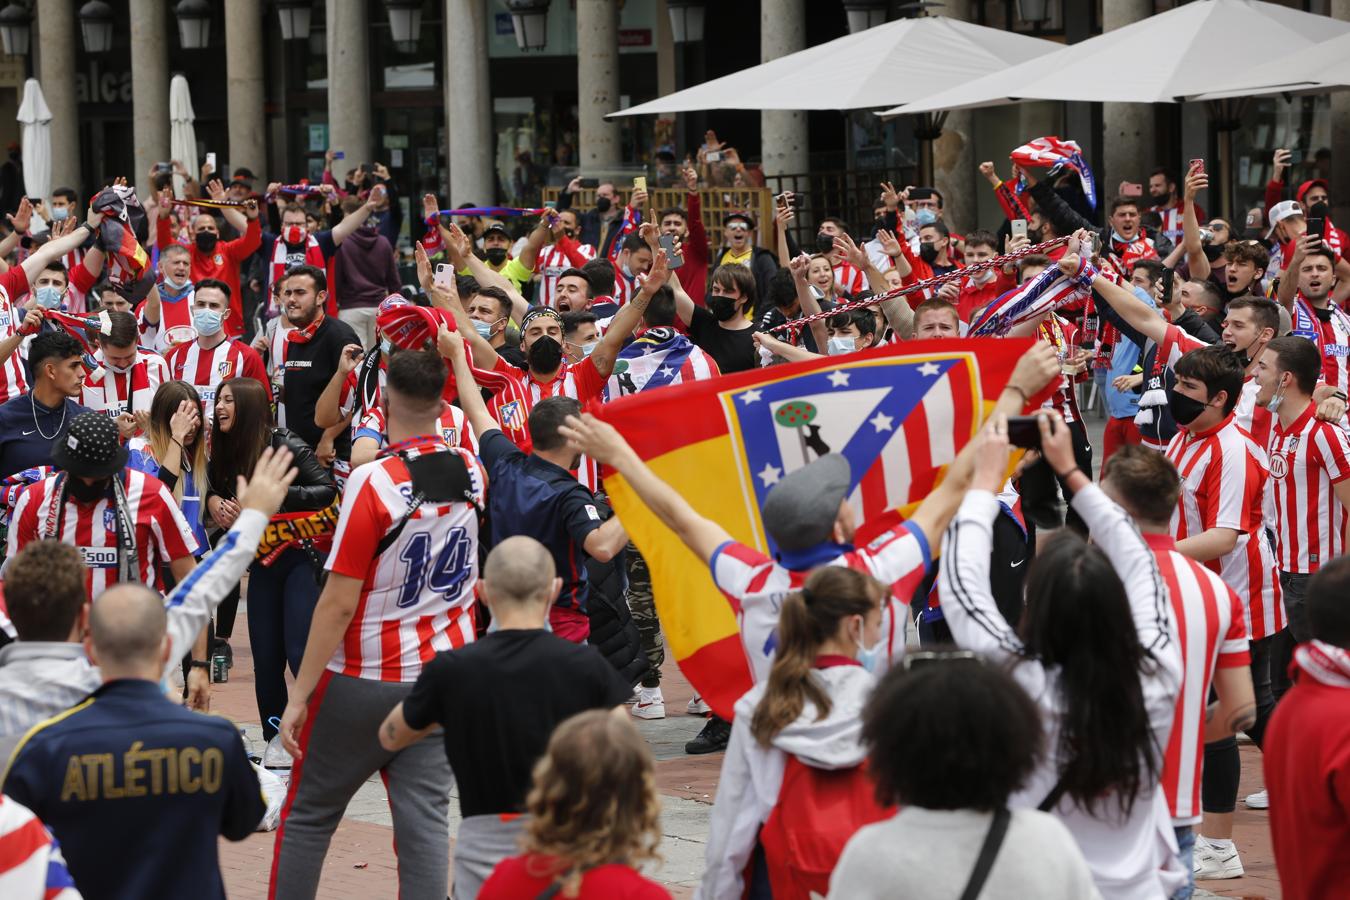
(58, 247)
(451, 346)
(1196, 261)
(238, 221)
(628, 317)
(459, 251)
(549, 226)
(446, 297)
(1137, 314)
(809, 304)
(354, 220)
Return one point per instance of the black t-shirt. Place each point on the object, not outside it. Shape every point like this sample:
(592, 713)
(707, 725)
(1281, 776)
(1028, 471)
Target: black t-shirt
(309, 367)
(734, 351)
(499, 700)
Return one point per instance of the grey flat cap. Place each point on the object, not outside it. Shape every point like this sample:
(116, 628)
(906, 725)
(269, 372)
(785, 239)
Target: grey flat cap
(800, 510)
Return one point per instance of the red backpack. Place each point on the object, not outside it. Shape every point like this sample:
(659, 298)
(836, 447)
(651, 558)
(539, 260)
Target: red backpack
(818, 811)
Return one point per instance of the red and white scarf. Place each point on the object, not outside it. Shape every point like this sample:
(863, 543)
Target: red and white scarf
(306, 334)
(281, 252)
(1325, 663)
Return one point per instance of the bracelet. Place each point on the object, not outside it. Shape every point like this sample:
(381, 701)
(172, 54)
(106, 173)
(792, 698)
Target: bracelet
(1065, 475)
(199, 664)
(1339, 395)
(1013, 387)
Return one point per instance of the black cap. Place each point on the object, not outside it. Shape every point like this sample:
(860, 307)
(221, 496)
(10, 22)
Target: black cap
(90, 447)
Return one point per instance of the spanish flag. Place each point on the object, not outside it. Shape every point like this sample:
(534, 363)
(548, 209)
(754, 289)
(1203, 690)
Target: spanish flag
(898, 413)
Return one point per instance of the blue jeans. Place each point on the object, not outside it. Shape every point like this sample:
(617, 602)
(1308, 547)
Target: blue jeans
(281, 600)
(1186, 855)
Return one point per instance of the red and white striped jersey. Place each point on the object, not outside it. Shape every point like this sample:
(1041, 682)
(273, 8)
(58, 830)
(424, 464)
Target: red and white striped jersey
(1223, 478)
(162, 534)
(1307, 460)
(416, 596)
(175, 322)
(624, 289)
(851, 278)
(350, 403)
(1250, 416)
(206, 368)
(13, 379)
(550, 265)
(1209, 630)
(516, 391)
(108, 391)
(1330, 329)
(1177, 344)
(756, 587)
(452, 425)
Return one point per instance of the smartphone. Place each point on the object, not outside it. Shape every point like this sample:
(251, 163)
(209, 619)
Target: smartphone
(1025, 431)
(1295, 157)
(668, 245)
(590, 183)
(211, 161)
(1019, 227)
(444, 275)
(640, 183)
(713, 156)
(1131, 189)
(339, 154)
(1317, 225)
(550, 204)
(163, 167)
(1168, 276)
(1198, 165)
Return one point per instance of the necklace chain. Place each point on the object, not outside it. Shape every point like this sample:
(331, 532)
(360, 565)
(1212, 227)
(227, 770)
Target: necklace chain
(32, 400)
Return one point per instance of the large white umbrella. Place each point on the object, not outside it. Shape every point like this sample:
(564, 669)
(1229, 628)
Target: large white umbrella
(36, 119)
(182, 135)
(1162, 59)
(1312, 70)
(892, 63)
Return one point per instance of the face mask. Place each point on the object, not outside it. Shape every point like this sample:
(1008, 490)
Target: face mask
(496, 256)
(1274, 404)
(60, 212)
(176, 286)
(1159, 199)
(1185, 410)
(925, 216)
(545, 354)
(603, 205)
(48, 297)
(206, 241)
(588, 349)
(824, 242)
(294, 234)
(870, 657)
(206, 321)
(928, 252)
(386, 346)
(627, 272)
(484, 329)
(724, 308)
(841, 345)
(87, 493)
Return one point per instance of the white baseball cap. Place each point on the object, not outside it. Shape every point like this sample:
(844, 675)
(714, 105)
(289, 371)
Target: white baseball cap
(1285, 209)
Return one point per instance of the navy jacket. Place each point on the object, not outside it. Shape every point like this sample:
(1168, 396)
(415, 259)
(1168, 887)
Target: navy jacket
(138, 791)
(22, 445)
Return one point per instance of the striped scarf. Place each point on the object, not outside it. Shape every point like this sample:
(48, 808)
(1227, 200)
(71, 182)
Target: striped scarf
(1325, 663)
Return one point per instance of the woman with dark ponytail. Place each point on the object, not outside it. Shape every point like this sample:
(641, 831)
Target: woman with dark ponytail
(793, 789)
(1094, 650)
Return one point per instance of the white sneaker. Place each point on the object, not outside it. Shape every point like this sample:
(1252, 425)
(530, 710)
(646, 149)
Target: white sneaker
(650, 704)
(1259, 800)
(1211, 863)
(697, 707)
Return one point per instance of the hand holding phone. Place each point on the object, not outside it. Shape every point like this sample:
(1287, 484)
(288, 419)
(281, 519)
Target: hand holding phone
(211, 161)
(1131, 189)
(1025, 431)
(640, 183)
(1018, 227)
(444, 276)
(675, 258)
(1198, 166)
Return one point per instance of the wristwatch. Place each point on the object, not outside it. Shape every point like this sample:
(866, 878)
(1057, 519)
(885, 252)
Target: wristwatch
(200, 664)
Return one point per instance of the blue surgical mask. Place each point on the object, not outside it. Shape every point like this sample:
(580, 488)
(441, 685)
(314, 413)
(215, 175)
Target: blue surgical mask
(925, 216)
(48, 297)
(176, 287)
(587, 349)
(207, 321)
(870, 657)
(841, 345)
(484, 329)
(60, 212)
(386, 346)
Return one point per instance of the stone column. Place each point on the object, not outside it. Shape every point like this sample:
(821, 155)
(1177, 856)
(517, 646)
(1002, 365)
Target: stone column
(954, 172)
(784, 142)
(468, 111)
(1340, 139)
(1129, 142)
(349, 125)
(244, 87)
(56, 68)
(150, 37)
(597, 83)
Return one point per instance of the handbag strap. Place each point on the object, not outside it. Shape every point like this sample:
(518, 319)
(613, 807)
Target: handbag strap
(993, 840)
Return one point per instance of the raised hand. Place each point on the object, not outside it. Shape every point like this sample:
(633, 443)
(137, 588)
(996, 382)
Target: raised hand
(22, 217)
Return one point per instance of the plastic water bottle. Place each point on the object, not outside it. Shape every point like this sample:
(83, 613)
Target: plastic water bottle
(275, 758)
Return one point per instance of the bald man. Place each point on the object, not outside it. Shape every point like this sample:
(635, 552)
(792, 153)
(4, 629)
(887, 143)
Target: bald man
(498, 701)
(137, 789)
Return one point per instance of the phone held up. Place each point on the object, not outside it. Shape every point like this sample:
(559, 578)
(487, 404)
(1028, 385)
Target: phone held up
(444, 276)
(668, 245)
(1025, 431)
(1018, 227)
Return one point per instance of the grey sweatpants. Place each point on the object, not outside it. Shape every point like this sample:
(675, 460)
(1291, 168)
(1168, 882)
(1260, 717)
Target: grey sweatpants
(482, 842)
(341, 750)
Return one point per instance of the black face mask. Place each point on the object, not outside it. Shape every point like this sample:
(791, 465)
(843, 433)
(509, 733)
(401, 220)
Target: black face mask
(603, 205)
(824, 242)
(545, 354)
(1185, 410)
(206, 241)
(1159, 199)
(88, 493)
(496, 256)
(724, 308)
(1212, 251)
(928, 252)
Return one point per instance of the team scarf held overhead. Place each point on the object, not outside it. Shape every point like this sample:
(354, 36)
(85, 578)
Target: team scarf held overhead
(81, 328)
(1046, 292)
(1048, 152)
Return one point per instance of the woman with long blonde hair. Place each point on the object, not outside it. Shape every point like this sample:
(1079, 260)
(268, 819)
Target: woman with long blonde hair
(594, 817)
(175, 451)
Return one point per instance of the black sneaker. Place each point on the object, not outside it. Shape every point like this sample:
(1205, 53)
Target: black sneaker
(712, 738)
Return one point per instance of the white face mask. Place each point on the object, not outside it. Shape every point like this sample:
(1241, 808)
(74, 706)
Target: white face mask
(841, 345)
(1275, 401)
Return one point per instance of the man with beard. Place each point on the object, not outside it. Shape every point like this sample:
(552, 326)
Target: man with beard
(312, 349)
(1305, 290)
(213, 258)
(687, 225)
(1166, 201)
(551, 261)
